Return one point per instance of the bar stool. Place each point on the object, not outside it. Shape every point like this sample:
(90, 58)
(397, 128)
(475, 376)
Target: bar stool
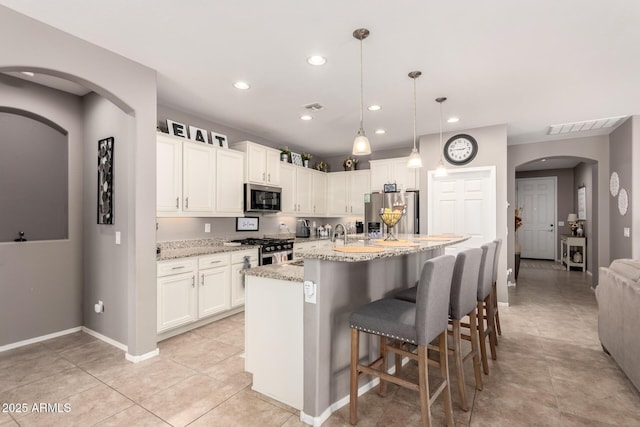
(418, 324)
(464, 287)
(495, 287)
(485, 305)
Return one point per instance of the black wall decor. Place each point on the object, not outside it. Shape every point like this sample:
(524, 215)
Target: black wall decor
(105, 181)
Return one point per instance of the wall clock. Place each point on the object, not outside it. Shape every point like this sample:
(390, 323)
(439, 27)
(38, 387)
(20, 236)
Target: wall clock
(460, 149)
(623, 201)
(614, 184)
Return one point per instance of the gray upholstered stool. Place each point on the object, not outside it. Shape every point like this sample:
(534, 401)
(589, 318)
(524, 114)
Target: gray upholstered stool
(418, 324)
(485, 305)
(498, 243)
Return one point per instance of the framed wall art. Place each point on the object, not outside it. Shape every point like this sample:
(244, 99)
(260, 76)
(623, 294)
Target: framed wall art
(582, 202)
(105, 181)
(296, 159)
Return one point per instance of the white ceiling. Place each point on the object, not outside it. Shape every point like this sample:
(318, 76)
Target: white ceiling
(527, 64)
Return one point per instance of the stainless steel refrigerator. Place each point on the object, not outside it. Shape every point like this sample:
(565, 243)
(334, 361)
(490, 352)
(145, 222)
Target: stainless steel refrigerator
(409, 224)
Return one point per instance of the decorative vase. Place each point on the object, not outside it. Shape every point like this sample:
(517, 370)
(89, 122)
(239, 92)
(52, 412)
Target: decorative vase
(306, 163)
(284, 157)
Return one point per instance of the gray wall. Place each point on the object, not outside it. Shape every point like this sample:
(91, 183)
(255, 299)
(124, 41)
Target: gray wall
(41, 281)
(335, 162)
(33, 179)
(492, 142)
(635, 201)
(29, 45)
(621, 161)
(585, 174)
(594, 148)
(564, 196)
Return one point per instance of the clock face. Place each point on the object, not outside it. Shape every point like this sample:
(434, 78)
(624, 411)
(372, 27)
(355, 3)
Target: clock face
(460, 149)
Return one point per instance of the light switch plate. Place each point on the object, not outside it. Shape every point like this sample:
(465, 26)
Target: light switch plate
(207, 228)
(627, 232)
(560, 223)
(117, 237)
(309, 292)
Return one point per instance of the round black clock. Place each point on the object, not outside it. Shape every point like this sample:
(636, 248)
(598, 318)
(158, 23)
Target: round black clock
(460, 149)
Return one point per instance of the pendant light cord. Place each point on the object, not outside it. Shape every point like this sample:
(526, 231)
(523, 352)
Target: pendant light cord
(414, 113)
(361, 91)
(441, 132)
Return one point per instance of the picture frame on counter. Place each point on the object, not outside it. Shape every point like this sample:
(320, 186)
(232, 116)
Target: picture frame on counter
(247, 223)
(219, 140)
(197, 134)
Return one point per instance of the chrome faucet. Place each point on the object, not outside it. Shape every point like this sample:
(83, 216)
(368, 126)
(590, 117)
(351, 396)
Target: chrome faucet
(335, 233)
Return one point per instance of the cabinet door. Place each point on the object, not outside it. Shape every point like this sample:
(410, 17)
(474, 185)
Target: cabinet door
(214, 295)
(406, 178)
(273, 167)
(337, 194)
(319, 193)
(304, 190)
(256, 162)
(229, 182)
(176, 300)
(288, 203)
(168, 176)
(197, 178)
(237, 285)
(380, 174)
(360, 185)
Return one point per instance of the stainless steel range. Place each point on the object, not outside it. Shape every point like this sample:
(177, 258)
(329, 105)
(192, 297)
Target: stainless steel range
(272, 251)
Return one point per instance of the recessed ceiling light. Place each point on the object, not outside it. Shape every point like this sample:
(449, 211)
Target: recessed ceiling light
(453, 120)
(28, 73)
(374, 107)
(306, 117)
(380, 131)
(317, 60)
(241, 85)
(543, 160)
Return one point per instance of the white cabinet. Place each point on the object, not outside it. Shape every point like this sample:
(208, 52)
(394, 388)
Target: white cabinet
(197, 175)
(319, 193)
(239, 261)
(393, 171)
(262, 164)
(177, 293)
(345, 192)
(297, 189)
(214, 293)
(168, 175)
(229, 182)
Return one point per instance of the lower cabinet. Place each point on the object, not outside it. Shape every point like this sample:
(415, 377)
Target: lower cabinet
(190, 289)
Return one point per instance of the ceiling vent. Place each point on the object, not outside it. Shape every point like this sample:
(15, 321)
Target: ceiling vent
(585, 125)
(314, 107)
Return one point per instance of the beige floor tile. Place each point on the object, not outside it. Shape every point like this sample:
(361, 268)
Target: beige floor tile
(243, 409)
(90, 352)
(45, 365)
(230, 368)
(56, 388)
(150, 379)
(294, 421)
(9, 423)
(133, 416)
(22, 354)
(234, 338)
(113, 365)
(201, 355)
(187, 400)
(69, 341)
(5, 418)
(571, 420)
(85, 408)
(215, 329)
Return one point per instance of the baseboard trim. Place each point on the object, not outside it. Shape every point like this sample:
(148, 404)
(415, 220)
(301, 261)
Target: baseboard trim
(503, 304)
(143, 357)
(22, 343)
(106, 339)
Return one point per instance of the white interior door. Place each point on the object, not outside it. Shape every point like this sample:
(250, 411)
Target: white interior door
(463, 203)
(537, 204)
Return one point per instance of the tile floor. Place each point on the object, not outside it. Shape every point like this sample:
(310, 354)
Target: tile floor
(550, 371)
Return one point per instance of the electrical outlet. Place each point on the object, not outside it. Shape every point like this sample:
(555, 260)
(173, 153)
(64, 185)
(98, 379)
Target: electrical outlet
(560, 223)
(207, 228)
(117, 237)
(627, 232)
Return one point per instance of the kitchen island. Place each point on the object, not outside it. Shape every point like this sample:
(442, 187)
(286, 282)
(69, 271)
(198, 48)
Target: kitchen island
(302, 328)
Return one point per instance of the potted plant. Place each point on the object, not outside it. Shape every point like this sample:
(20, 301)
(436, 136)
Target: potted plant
(350, 163)
(322, 166)
(284, 154)
(305, 159)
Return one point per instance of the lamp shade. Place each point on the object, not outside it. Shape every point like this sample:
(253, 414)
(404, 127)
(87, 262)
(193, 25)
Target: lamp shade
(415, 161)
(361, 145)
(572, 217)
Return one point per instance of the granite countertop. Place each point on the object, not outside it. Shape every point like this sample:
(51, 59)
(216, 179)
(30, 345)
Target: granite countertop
(291, 272)
(188, 248)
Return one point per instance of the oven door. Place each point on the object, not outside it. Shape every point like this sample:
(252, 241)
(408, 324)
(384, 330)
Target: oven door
(277, 257)
(262, 198)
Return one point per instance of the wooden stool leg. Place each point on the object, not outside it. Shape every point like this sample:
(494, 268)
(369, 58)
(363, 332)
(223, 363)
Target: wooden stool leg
(473, 325)
(457, 357)
(481, 336)
(383, 368)
(398, 344)
(491, 326)
(353, 391)
(495, 309)
(444, 369)
(423, 384)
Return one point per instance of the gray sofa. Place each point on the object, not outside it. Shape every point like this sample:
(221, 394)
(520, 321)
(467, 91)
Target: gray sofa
(618, 294)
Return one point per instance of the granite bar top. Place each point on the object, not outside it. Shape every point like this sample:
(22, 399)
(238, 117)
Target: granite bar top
(290, 272)
(328, 254)
(188, 248)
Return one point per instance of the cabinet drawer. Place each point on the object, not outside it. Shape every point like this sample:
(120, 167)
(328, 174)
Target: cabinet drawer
(178, 266)
(212, 261)
(238, 257)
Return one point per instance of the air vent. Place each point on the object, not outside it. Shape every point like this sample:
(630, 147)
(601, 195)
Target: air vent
(314, 107)
(585, 125)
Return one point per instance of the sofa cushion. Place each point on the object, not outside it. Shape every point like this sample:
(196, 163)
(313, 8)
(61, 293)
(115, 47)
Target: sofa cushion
(628, 268)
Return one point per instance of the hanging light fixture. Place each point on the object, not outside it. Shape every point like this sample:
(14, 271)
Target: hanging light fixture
(361, 144)
(441, 170)
(415, 161)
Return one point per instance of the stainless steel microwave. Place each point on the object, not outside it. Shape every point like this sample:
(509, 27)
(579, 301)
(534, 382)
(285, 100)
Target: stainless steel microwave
(262, 198)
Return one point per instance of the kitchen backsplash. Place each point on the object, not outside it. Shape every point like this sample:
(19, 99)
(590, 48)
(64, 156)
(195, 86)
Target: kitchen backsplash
(194, 228)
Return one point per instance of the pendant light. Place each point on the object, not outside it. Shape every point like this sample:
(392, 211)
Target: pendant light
(415, 161)
(361, 144)
(441, 170)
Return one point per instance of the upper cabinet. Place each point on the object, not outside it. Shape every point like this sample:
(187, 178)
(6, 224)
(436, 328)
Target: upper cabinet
(393, 171)
(299, 194)
(262, 164)
(196, 179)
(346, 192)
